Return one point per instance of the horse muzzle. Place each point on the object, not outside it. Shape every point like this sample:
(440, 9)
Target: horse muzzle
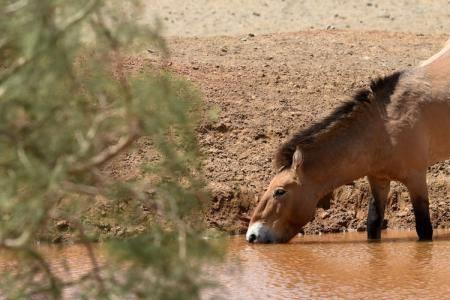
(259, 233)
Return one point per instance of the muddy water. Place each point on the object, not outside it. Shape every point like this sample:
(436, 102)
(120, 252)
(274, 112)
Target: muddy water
(326, 266)
(338, 266)
(69, 263)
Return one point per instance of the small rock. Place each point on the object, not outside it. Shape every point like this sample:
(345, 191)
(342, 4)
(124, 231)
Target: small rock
(402, 214)
(277, 79)
(324, 215)
(57, 240)
(251, 35)
(361, 227)
(104, 226)
(260, 135)
(330, 27)
(62, 225)
(256, 14)
(221, 128)
(195, 68)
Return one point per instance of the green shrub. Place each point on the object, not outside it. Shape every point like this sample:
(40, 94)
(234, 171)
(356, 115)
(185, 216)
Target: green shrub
(70, 104)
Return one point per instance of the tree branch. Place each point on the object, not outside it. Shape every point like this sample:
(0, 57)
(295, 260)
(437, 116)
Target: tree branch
(80, 188)
(77, 18)
(93, 259)
(107, 154)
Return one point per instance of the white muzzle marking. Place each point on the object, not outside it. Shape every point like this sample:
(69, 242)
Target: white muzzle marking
(259, 233)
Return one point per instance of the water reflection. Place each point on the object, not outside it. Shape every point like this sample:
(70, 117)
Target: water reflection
(327, 266)
(68, 263)
(339, 265)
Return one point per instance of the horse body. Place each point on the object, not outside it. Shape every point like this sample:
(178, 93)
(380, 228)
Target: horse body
(394, 131)
(436, 73)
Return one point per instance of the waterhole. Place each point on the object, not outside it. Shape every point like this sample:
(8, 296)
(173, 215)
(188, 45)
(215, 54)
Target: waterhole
(327, 266)
(337, 266)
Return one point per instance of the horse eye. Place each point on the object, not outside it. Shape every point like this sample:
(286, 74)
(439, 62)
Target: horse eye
(279, 192)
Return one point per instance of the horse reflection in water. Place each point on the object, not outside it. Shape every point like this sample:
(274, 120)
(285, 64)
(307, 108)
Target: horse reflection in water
(391, 131)
(341, 265)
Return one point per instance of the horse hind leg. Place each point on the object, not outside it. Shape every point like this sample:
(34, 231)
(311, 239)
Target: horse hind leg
(418, 191)
(380, 190)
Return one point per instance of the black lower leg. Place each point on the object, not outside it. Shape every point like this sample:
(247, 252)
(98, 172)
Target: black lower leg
(418, 191)
(374, 221)
(377, 203)
(424, 228)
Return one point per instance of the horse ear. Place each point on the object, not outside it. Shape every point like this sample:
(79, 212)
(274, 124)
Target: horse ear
(297, 159)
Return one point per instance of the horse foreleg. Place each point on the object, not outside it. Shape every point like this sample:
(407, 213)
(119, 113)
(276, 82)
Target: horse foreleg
(380, 190)
(417, 187)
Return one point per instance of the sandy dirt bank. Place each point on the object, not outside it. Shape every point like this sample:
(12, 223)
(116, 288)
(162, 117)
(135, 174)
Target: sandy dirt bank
(266, 87)
(234, 17)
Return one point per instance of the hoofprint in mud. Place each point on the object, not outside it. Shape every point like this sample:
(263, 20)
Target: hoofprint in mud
(390, 132)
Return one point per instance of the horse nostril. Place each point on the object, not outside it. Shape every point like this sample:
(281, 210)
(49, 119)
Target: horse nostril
(252, 238)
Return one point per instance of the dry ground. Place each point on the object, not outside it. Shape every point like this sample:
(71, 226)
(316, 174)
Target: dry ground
(234, 17)
(269, 84)
(266, 87)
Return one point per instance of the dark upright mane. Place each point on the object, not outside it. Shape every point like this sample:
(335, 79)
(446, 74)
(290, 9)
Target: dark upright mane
(380, 90)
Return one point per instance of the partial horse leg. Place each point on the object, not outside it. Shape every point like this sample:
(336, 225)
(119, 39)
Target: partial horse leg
(418, 191)
(380, 190)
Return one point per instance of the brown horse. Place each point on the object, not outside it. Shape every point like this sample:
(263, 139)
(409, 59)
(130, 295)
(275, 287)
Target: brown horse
(392, 131)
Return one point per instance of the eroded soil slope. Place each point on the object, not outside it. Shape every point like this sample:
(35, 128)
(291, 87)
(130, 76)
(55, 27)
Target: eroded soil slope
(265, 88)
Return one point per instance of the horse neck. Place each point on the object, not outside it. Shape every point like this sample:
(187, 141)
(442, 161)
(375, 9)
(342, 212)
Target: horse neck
(346, 154)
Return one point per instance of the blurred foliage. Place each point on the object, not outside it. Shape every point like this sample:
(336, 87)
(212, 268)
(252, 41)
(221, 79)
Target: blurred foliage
(70, 103)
